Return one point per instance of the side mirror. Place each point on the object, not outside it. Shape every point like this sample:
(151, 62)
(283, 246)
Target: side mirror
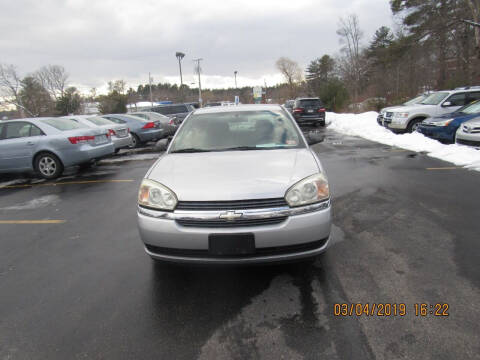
(447, 103)
(161, 145)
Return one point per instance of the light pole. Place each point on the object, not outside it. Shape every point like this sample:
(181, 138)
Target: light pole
(180, 56)
(198, 70)
(235, 73)
(150, 88)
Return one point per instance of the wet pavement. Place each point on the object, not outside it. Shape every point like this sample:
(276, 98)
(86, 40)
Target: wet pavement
(79, 285)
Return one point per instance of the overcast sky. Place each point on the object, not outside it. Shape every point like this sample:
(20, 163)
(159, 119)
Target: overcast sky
(102, 40)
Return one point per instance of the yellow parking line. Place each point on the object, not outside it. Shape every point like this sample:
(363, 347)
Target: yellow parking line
(64, 183)
(32, 221)
(445, 168)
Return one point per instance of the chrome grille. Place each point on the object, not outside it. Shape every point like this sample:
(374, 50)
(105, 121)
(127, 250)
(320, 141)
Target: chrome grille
(227, 224)
(231, 205)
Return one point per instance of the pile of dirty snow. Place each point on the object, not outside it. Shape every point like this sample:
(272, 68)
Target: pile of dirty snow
(365, 126)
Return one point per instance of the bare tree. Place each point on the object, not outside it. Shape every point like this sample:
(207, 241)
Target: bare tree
(53, 78)
(351, 64)
(11, 86)
(475, 8)
(292, 73)
(117, 85)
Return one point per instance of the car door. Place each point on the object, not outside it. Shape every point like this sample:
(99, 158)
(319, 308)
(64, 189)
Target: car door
(453, 103)
(17, 145)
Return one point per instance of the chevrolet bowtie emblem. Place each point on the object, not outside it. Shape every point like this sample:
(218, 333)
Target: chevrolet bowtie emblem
(230, 215)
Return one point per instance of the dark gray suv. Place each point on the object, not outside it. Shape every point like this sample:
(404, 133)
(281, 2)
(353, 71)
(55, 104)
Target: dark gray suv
(178, 111)
(309, 111)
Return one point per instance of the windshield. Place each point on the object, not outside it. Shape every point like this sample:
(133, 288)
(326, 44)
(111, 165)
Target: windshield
(97, 120)
(415, 100)
(242, 130)
(64, 124)
(309, 103)
(434, 99)
(471, 108)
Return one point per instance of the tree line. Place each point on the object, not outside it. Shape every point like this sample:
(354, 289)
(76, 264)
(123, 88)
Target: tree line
(435, 46)
(42, 93)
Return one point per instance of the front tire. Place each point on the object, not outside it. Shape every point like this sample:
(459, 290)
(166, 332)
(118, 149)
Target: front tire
(48, 166)
(413, 124)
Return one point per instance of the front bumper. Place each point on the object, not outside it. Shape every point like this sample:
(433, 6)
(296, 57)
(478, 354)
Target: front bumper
(437, 132)
(304, 233)
(470, 139)
(396, 124)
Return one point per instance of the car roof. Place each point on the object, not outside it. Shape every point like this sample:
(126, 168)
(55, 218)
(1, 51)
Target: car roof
(459, 90)
(30, 119)
(308, 98)
(236, 108)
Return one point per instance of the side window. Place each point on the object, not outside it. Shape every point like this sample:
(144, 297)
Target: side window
(180, 109)
(473, 96)
(457, 99)
(115, 120)
(160, 110)
(35, 131)
(2, 126)
(17, 130)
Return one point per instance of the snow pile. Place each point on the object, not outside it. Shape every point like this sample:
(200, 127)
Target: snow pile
(365, 126)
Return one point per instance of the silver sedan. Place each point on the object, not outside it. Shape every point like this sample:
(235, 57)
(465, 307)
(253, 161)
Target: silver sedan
(120, 134)
(237, 185)
(48, 145)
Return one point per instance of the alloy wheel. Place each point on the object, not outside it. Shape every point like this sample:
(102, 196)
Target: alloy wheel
(47, 166)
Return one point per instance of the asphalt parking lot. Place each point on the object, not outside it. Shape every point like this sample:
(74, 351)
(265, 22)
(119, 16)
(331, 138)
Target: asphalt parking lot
(76, 283)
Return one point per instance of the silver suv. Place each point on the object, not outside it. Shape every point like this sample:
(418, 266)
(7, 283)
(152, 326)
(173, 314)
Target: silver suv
(407, 118)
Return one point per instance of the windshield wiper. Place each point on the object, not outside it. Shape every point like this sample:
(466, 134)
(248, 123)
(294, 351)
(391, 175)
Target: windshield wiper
(189, 150)
(240, 148)
(243, 148)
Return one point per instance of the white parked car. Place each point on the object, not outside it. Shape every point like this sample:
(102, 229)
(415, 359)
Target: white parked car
(415, 100)
(407, 118)
(469, 133)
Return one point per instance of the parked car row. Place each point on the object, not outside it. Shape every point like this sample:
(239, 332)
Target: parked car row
(48, 145)
(448, 116)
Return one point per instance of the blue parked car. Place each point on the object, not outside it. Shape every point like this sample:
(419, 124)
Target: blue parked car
(444, 127)
(142, 130)
(48, 145)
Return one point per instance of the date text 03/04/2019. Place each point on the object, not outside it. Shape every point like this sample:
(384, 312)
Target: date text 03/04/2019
(390, 309)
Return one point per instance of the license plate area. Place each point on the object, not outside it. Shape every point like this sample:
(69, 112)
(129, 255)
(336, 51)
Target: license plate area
(100, 139)
(231, 244)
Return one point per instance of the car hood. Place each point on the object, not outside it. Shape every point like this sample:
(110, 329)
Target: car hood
(390, 108)
(233, 175)
(474, 122)
(456, 116)
(413, 108)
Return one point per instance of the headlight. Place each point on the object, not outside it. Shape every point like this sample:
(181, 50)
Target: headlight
(442, 123)
(308, 191)
(401, 115)
(155, 195)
